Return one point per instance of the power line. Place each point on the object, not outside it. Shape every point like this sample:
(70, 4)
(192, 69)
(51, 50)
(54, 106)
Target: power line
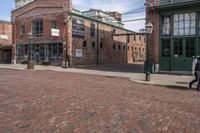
(132, 11)
(131, 20)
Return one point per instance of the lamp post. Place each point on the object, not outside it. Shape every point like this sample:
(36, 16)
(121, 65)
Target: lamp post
(148, 29)
(30, 64)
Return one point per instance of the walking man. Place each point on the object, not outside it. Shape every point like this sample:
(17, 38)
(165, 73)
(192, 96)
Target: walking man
(196, 72)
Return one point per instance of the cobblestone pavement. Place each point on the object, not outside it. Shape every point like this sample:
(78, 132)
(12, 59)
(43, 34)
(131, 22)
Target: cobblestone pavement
(58, 102)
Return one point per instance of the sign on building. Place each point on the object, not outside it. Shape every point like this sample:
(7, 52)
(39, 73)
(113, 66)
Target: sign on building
(55, 32)
(78, 28)
(4, 37)
(79, 53)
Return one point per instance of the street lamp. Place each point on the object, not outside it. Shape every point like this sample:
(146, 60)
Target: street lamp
(149, 29)
(30, 64)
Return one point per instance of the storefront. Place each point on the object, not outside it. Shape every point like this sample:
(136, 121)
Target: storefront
(40, 53)
(179, 39)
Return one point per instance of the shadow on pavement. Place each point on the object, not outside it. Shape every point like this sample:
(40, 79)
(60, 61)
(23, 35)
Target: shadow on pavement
(130, 68)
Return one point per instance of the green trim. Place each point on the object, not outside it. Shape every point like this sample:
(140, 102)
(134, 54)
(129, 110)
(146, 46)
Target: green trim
(178, 5)
(98, 21)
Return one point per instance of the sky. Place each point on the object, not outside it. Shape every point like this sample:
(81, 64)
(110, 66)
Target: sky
(121, 6)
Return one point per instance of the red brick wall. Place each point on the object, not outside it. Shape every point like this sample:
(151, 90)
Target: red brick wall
(1, 56)
(153, 16)
(6, 29)
(137, 49)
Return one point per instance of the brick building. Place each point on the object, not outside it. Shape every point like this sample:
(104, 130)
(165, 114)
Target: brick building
(136, 48)
(5, 41)
(176, 34)
(57, 36)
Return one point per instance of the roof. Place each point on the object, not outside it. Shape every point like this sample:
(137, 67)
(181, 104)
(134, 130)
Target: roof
(98, 21)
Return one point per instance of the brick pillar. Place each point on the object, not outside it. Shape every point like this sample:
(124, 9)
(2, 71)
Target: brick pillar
(13, 41)
(67, 35)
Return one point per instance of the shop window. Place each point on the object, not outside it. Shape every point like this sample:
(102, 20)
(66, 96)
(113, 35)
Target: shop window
(165, 48)
(165, 23)
(185, 24)
(54, 24)
(92, 29)
(22, 30)
(37, 28)
(93, 45)
(84, 44)
(190, 47)
(178, 48)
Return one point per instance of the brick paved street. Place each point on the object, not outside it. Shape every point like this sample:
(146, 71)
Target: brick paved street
(58, 102)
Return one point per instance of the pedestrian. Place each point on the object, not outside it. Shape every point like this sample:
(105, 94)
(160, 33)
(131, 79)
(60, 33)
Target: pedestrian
(196, 72)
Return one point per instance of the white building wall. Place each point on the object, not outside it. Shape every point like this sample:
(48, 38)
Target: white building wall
(20, 3)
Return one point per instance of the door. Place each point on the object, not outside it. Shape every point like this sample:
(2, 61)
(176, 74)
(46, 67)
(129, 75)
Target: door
(7, 56)
(184, 50)
(165, 55)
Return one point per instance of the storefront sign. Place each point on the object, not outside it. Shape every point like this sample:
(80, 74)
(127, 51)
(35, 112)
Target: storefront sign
(55, 32)
(78, 28)
(79, 53)
(4, 37)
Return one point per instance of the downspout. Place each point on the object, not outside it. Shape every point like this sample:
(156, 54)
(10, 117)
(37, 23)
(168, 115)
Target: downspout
(97, 43)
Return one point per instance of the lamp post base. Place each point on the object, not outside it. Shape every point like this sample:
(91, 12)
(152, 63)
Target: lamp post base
(30, 65)
(147, 76)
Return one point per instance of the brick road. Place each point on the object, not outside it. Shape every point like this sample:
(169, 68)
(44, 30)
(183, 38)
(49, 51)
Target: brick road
(55, 102)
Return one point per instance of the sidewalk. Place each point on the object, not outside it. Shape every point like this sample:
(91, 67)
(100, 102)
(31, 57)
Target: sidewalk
(156, 79)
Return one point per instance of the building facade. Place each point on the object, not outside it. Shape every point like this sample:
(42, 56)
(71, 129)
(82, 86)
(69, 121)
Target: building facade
(5, 41)
(21, 3)
(136, 48)
(44, 29)
(176, 35)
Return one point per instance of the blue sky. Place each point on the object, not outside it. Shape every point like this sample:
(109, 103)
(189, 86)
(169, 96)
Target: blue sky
(121, 6)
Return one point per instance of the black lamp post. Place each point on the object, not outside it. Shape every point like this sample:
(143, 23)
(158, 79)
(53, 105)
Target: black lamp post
(148, 29)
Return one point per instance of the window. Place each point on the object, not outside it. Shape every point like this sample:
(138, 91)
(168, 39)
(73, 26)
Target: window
(54, 24)
(22, 30)
(165, 22)
(114, 46)
(185, 24)
(190, 47)
(84, 44)
(178, 47)
(124, 47)
(144, 40)
(101, 45)
(165, 48)
(92, 29)
(37, 28)
(128, 39)
(93, 44)
(134, 37)
(119, 46)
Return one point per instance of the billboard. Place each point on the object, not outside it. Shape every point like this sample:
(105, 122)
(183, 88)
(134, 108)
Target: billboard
(78, 28)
